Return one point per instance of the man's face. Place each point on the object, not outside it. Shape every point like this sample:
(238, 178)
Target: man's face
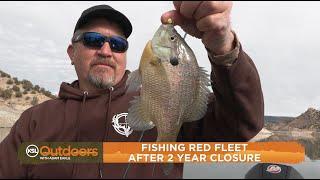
(98, 68)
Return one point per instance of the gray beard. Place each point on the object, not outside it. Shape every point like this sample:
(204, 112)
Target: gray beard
(101, 82)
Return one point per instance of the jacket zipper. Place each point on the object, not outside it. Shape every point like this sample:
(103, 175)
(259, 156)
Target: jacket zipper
(100, 165)
(85, 94)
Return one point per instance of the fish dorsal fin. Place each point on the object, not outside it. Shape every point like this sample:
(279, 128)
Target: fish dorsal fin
(134, 81)
(199, 106)
(137, 116)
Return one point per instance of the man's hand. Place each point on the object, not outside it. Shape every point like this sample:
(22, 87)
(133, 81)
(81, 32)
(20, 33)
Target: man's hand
(206, 20)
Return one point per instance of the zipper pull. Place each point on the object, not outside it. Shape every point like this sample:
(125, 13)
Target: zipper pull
(85, 93)
(100, 172)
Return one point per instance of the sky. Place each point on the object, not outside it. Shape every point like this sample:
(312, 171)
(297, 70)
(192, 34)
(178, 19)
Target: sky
(282, 38)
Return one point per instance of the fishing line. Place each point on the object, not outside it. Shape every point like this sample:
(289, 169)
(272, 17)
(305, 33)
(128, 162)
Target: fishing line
(128, 166)
(154, 165)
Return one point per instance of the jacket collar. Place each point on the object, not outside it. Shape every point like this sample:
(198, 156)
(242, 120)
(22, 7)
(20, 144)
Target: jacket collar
(72, 91)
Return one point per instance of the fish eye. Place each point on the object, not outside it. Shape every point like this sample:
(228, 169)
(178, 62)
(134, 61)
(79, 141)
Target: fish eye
(172, 38)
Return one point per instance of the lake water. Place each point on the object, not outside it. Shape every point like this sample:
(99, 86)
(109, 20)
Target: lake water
(309, 169)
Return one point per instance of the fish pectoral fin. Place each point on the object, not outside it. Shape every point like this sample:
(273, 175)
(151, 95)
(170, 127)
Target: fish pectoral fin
(155, 61)
(134, 81)
(200, 103)
(137, 118)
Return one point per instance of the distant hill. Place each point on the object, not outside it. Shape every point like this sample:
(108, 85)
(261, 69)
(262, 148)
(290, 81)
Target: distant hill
(12, 87)
(16, 96)
(309, 120)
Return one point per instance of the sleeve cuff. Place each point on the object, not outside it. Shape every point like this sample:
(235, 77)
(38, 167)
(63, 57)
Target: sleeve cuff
(226, 59)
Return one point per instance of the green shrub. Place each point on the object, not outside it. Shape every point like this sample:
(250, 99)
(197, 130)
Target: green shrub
(53, 97)
(9, 81)
(3, 74)
(16, 81)
(16, 88)
(34, 101)
(47, 93)
(42, 90)
(27, 98)
(37, 88)
(27, 85)
(6, 94)
(33, 92)
(18, 94)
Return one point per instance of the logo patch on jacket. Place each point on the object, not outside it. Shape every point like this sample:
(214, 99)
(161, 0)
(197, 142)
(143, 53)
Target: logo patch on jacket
(120, 124)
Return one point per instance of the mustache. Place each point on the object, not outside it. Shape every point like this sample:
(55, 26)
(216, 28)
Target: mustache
(103, 61)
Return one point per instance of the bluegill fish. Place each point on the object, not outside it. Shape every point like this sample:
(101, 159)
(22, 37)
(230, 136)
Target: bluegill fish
(173, 88)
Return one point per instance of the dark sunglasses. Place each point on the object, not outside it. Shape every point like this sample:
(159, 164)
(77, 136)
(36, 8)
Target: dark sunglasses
(97, 40)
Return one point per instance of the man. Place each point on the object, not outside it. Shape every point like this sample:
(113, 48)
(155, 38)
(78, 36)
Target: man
(90, 108)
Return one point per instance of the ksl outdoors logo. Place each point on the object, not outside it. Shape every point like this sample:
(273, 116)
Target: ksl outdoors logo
(32, 151)
(60, 152)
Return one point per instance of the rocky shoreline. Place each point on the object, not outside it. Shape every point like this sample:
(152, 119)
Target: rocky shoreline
(263, 134)
(295, 134)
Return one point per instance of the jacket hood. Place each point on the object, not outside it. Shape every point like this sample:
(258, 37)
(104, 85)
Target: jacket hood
(72, 91)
